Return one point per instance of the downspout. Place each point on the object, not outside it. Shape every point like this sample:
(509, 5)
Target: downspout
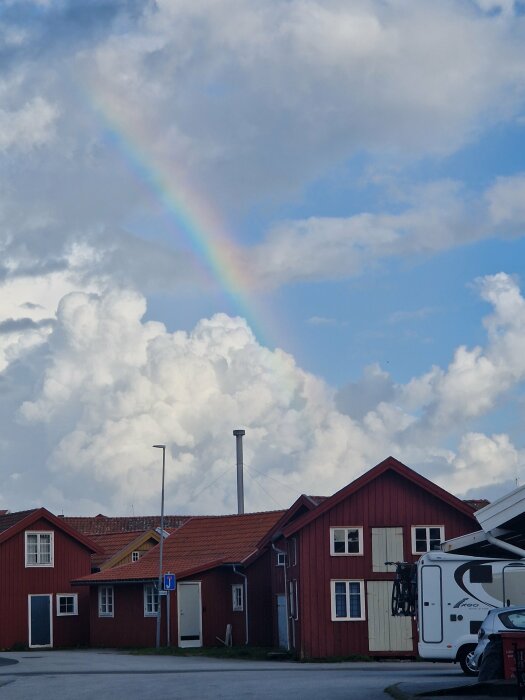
(281, 551)
(506, 545)
(245, 598)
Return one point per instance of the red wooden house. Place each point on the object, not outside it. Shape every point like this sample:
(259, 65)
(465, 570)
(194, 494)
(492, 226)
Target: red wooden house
(331, 588)
(214, 588)
(39, 556)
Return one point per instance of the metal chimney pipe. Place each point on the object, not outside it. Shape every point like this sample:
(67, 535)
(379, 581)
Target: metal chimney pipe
(240, 485)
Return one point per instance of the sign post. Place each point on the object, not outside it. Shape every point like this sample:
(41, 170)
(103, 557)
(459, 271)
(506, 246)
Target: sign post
(170, 584)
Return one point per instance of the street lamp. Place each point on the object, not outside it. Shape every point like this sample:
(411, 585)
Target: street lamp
(159, 584)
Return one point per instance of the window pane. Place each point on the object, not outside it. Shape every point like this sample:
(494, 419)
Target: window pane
(434, 538)
(67, 605)
(353, 541)
(340, 599)
(355, 599)
(421, 539)
(45, 549)
(32, 549)
(339, 542)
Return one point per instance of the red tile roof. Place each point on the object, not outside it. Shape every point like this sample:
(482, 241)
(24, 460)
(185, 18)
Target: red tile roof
(102, 524)
(10, 519)
(201, 543)
(13, 523)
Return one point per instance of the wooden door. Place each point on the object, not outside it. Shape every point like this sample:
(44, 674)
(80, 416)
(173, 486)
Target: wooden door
(385, 632)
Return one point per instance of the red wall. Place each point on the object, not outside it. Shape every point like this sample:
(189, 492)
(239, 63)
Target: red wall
(71, 560)
(261, 601)
(129, 627)
(388, 501)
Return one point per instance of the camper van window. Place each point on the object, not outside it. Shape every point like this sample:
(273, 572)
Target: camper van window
(481, 574)
(427, 538)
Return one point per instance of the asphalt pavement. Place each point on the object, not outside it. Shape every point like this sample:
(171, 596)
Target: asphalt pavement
(113, 675)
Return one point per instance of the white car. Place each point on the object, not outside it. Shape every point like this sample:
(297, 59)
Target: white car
(498, 620)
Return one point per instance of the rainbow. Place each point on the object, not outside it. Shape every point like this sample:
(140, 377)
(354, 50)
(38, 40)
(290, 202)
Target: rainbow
(186, 209)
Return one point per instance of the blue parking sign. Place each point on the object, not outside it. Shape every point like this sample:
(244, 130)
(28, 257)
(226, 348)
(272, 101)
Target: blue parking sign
(170, 582)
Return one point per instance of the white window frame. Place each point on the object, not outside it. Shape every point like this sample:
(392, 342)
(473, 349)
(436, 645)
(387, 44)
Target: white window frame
(104, 607)
(346, 528)
(347, 583)
(427, 528)
(38, 534)
(281, 559)
(151, 600)
(135, 556)
(75, 604)
(237, 597)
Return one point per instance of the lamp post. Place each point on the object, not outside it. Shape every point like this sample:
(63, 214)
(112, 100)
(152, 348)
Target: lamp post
(159, 584)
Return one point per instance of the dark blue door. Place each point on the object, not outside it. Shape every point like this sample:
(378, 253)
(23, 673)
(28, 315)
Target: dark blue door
(40, 621)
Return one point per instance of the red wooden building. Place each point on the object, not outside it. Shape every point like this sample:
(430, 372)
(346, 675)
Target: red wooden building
(39, 556)
(331, 588)
(215, 588)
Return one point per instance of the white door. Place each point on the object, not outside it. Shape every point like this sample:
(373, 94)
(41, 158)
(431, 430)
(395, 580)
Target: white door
(431, 600)
(190, 614)
(385, 632)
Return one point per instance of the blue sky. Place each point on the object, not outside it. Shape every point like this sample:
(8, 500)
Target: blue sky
(300, 217)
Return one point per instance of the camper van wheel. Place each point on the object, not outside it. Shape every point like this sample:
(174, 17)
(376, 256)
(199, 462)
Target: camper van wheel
(465, 660)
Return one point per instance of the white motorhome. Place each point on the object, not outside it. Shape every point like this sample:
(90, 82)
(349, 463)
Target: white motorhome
(454, 595)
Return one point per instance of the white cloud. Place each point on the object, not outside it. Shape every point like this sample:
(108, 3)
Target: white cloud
(107, 385)
(506, 201)
(438, 216)
(29, 126)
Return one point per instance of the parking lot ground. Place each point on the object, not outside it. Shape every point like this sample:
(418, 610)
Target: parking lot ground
(114, 675)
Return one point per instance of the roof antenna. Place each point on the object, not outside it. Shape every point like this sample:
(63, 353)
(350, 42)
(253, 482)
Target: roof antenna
(240, 485)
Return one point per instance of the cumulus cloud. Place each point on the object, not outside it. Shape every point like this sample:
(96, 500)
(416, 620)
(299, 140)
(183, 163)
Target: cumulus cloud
(106, 385)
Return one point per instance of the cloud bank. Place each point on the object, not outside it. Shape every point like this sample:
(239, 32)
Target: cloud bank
(109, 385)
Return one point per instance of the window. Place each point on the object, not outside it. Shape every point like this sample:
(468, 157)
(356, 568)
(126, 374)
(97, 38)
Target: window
(67, 604)
(427, 538)
(292, 599)
(39, 548)
(481, 574)
(281, 558)
(347, 600)
(237, 597)
(105, 601)
(346, 541)
(151, 600)
(135, 556)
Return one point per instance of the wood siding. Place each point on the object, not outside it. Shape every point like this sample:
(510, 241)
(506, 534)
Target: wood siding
(130, 628)
(71, 560)
(390, 501)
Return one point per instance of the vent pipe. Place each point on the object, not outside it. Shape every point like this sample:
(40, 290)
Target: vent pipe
(240, 485)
